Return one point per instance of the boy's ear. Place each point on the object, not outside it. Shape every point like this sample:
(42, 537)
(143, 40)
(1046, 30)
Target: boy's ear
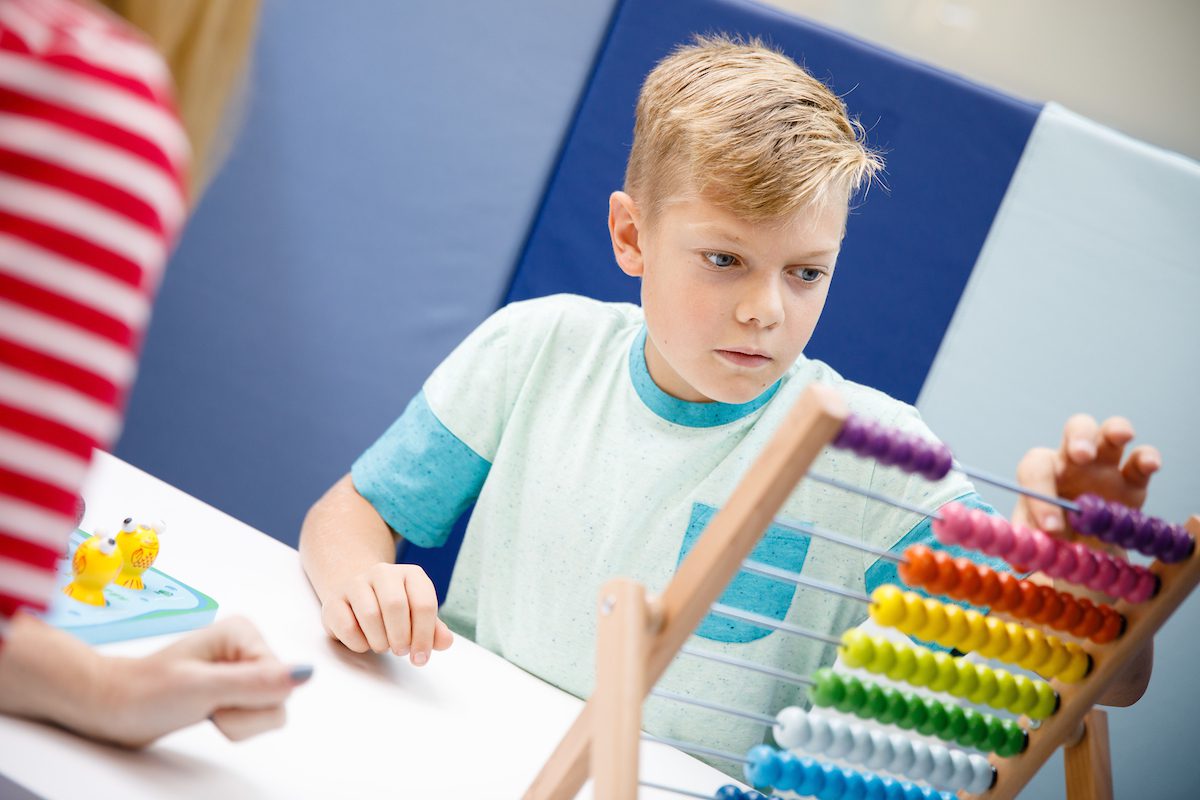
(623, 227)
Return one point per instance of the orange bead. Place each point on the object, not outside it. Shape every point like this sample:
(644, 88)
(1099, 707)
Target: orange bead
(1031, 601)
(1010, 593)
(989, 589)
(947, 575)
(1111, 630)
(1070, 616)
(917, 568)
(968, 579)
(1090, 622)
(1052, 606)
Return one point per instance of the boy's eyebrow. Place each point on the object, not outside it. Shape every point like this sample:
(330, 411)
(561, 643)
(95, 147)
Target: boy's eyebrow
(716, 229)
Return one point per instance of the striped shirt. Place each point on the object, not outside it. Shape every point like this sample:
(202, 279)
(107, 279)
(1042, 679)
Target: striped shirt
(92, 196)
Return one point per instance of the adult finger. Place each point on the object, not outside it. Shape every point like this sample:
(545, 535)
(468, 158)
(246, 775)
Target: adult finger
(1079, 439)
(242, 723)
(340, 623)
(1115, 433)
(230, 639)
(1142, 463)
(1038, 470)
(442, 636)
(422, 600)
(365, 606)
(246, 684)
(392, 596)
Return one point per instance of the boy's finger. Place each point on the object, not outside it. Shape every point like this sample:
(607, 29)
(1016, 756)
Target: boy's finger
(242, 723)
(370, 619)
(1079, 439)
(1038, 471)
(1115, 433)
(393, 602)
(442, 636)
(340, 623)
(1142, 463)
(422, 600)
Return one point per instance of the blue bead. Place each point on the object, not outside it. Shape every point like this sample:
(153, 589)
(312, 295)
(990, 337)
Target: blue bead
(893, 789)
(856, 787)
(728, 792)
(763, 766)
(914, 792)
(812, 780)
(876, 789)
(835, 783)
(791, 771)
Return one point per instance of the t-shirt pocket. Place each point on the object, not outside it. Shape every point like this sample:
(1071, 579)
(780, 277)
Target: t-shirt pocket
(768, 597)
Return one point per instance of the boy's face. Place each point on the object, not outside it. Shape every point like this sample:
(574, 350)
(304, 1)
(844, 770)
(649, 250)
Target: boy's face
(730, 304)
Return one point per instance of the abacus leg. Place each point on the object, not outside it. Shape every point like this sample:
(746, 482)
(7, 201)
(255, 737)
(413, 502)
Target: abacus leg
(1088, 761)
(622, 645)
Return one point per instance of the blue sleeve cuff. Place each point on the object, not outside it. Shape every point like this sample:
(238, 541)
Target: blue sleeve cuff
(419, 476)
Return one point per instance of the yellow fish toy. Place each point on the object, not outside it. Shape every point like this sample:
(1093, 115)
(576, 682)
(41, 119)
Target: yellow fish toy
(95, 563)
(138, 543)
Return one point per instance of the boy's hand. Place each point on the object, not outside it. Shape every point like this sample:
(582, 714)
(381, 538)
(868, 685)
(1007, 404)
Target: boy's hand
(387, 607)
(1088, 460)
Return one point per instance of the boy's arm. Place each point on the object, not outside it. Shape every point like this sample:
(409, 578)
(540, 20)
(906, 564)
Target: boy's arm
(1089, 459)
(368, 602)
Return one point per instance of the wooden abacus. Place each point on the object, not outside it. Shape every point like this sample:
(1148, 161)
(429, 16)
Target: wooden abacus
(638, 635)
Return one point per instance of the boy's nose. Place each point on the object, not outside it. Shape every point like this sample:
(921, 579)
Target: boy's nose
(762, 303)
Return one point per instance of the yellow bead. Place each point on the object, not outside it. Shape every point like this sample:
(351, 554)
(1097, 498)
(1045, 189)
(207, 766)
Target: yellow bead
(997, 638)
(976, 632)
(1006, 689)
(968, 679)
(987, 688)
(914, 614)
(1027, 696)
(947, 672)
(1078, 667)
(935, 622)
(885, 656)
(956, 624)
(857, 649)
(906, 664)
(1018, 644)
(1058, 660)
(887, 605)
(926, 669)
(1039, 650)
(1047, 702)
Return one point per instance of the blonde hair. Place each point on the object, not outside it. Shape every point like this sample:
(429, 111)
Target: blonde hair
(746, 127)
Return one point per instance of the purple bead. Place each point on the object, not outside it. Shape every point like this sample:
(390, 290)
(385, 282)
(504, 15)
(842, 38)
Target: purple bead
(1144, 533)
(880, 444)
(1153, 536)
(901, 452)
(850, 436)
(922, 460)
(1184, 545)
(1123, 527)
(1093, 516)
(942, 462)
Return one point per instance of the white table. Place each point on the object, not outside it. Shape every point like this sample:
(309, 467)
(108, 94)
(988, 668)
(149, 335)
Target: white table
(469, 725)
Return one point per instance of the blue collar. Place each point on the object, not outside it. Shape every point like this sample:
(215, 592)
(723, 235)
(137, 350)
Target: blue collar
(684, 412)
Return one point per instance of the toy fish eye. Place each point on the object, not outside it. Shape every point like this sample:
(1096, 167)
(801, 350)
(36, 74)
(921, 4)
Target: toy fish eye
(127, 526)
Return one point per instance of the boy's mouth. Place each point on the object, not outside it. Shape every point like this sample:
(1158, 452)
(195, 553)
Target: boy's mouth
(745, 358)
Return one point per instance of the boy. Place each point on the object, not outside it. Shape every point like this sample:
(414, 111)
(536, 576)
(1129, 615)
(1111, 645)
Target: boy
(600, 438)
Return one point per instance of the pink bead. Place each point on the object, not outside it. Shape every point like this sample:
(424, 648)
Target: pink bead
(1085, 566)
(1044, 551)
(1105, 577)
(1146, 588)
(1125, 582)
(1024, 547)
(950, 528)
(1001, 538)
(1064, 560)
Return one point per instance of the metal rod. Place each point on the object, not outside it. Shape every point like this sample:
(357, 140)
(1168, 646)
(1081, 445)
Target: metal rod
(1012, 486)
(699, 749)
(751, 666)
(883, 498)
(836, 538)
(800, 580)
(758, 619)
(711, 706)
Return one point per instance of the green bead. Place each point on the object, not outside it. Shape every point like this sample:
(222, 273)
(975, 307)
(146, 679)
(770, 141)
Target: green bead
(875, 703)
(926, 669)
(1047, 702)
(905, 666)
(936, 722)
(947, 672)
(956, 723)
(917, 714)
(977, 729)
(996, 734)
(968, 679)
(857, 649)
(828, 688)
(1027, 696)
(1015, 740)
(987, 688)
(896, 706)
(855, 697)
(1006, 689)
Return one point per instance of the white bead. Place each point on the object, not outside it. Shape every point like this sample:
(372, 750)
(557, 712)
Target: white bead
(881, 750)
(791, 728)
(903, 755)
(922, 763)
(821, 735)
(964, 770)
(843, 739)
(863, 746)
(942, 768)
(981, 780)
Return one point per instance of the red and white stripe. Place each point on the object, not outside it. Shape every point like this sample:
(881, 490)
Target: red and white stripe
(92, 196)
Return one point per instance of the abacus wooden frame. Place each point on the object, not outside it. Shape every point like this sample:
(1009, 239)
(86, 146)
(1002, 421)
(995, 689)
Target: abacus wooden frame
(638, 636)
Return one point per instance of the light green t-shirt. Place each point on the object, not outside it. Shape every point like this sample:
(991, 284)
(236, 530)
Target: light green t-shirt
(585, 470)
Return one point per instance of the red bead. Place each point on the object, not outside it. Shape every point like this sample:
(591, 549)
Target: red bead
(1071, 614)
(1031, 601)
(968, 579)
(1090, 622)
(1113, 627)
(989, 589)
(1010, 592)
(1052, 606)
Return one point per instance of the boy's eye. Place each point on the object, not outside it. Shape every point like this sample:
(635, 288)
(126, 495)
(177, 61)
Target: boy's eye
(721, 260)
(810, 274)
